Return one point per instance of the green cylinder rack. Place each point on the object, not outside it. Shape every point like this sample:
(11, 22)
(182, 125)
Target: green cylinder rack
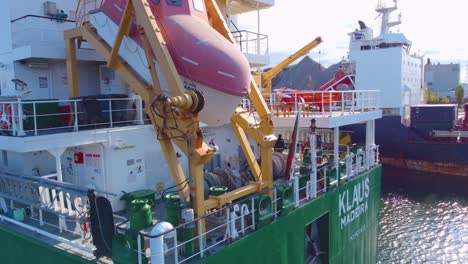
(218, 190)
(174, 204)
(140, 194)
(124, 250)
(263, 210)
(140, 214)
(286, 199)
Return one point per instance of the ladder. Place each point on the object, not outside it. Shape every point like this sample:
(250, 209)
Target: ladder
(82, 9)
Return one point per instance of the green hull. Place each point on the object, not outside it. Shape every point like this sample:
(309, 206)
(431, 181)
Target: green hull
(348, 228)
(17, 248)
(284, 240)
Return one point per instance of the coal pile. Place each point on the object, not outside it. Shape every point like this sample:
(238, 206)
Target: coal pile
(305, 75)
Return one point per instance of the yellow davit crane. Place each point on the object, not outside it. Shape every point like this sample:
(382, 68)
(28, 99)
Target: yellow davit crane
(265, 78)
(185, 104)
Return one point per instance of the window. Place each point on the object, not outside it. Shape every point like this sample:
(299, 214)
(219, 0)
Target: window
(5, 158)
(174, 2)
(199, 5)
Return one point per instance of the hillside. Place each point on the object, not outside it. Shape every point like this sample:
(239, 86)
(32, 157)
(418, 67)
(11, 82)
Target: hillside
(305, 75)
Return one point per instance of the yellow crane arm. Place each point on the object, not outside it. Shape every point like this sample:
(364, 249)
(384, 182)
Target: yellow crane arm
(182, 103)
(268, 76)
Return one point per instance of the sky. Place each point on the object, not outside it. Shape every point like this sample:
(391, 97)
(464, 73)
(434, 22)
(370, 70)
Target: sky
(437, 29)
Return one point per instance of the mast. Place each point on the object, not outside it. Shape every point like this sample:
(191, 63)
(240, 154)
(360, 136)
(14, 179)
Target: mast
(384, 9)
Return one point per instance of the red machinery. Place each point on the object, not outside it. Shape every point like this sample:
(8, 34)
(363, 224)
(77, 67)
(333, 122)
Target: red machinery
(339, 80)
(319, 99)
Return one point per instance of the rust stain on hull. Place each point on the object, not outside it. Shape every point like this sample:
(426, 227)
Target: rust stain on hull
(435, 167)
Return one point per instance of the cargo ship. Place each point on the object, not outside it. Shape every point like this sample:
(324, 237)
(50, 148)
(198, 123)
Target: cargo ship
(411, 134)
(133, 132)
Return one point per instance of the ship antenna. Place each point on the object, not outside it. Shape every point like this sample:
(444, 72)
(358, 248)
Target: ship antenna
(385, 10)
(319, 56)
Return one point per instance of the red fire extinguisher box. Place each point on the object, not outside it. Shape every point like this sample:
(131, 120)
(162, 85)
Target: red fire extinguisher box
(79, 158)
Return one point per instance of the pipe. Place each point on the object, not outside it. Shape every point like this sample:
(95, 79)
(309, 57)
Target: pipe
(296, 191)
(49, 235)
(157, 243)
(336, 153)
(45, 17)
(313, 158)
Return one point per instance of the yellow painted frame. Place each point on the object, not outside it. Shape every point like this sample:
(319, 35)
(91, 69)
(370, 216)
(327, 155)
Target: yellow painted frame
(198, 152)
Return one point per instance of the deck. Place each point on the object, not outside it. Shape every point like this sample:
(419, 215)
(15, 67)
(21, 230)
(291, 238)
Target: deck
(32, 125)
(56, 215)
(330, 109)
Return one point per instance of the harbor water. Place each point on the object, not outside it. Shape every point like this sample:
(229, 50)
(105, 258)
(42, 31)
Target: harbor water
(423, 218)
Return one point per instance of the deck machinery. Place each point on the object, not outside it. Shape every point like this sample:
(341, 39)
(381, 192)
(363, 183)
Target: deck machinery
(185, 103)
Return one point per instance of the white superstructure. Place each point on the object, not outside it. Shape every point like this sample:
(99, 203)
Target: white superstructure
(386, 63)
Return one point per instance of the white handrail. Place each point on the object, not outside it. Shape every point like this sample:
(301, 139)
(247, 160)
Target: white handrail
(132, 114)
(328, 102)
(49, 235)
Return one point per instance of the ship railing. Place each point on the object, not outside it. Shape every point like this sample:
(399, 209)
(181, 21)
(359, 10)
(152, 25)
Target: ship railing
(361, 161)
(350, 167)
(251, 42)
(45, 194)
(82, 9)
(189, 242)
(323, 103)
(40, 117)
(48, 207)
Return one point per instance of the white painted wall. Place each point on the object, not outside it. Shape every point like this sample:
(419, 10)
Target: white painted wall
(6, 74)
(57, 81)
(35, 7)
(412, 77)
(32, 76)
(88, 74)
(30, 163)
(134, 161)
(5, 42)
(380, 69)
(38, 30)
